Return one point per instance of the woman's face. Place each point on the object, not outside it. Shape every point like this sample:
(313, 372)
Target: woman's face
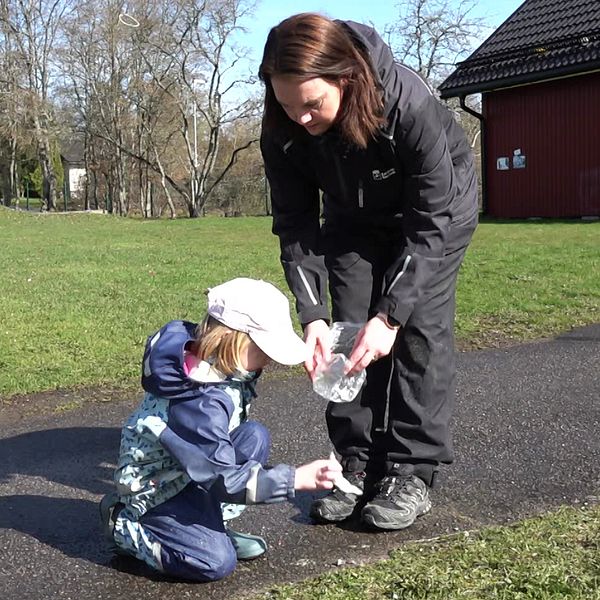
(312, 103)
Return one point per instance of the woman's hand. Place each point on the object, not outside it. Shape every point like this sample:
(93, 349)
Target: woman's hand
(317, 475)
(373, 341)
(316, 336)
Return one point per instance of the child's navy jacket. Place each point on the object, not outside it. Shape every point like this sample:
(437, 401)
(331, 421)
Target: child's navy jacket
(181, 434)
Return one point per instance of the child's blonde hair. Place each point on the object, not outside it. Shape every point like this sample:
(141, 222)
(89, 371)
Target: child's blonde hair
(221, 344)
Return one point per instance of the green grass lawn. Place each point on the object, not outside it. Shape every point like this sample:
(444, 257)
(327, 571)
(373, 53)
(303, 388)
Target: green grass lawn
(553, 557)
(80, 293)
(526, 280)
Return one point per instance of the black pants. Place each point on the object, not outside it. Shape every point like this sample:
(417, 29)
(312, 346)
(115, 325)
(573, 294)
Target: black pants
(400, 420)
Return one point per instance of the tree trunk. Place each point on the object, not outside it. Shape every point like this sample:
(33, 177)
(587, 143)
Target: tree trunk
(48, 175)
(13, 171)
(143, 189)
(6, 187)
(86, 166)
(163, 183)
(121, 190)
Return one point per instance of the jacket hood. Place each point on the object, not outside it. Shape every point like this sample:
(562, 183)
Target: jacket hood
(162, 366)
(382, 61)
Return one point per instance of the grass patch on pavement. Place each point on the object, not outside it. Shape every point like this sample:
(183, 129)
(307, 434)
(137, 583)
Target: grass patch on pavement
(80, 293)
(554, 557)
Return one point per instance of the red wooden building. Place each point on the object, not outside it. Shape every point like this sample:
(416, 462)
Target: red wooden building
(539, 77)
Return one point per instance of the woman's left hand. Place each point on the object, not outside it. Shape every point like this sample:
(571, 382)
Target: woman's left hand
(373, 341)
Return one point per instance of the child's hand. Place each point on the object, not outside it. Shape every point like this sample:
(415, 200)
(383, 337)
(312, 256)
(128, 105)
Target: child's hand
(317, 475)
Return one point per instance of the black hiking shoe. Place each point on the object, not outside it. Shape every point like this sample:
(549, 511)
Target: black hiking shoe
(400, 499)
(339, 505)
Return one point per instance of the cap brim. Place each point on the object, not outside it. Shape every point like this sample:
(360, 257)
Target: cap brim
(285, 348)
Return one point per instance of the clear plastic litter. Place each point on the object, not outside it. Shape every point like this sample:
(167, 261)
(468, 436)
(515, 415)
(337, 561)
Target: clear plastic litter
(341, 483)
(330, 382)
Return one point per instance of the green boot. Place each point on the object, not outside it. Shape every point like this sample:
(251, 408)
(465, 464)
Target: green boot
(246, 546)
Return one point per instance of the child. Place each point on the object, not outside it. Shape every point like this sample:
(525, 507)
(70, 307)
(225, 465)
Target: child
(189, 449)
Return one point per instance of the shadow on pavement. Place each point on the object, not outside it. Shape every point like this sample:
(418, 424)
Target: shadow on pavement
(52, 521)
(57, 473)
(81, 457)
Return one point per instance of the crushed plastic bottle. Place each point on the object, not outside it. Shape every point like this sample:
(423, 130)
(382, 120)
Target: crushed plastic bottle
(330, 382)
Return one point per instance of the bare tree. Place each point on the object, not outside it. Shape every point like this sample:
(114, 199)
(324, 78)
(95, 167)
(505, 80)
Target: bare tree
(431, 36)
(242, 192)
(188, 54)
(34, 27)
(105, 74)
(9, 115)
(153, 83)
(92, 78)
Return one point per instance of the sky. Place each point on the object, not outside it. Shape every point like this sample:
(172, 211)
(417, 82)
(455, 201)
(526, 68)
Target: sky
(378, 12)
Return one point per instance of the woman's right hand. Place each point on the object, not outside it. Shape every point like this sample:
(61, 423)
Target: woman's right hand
(316, 336)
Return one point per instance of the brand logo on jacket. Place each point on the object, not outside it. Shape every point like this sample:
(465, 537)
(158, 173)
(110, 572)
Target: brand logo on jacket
(380, 176)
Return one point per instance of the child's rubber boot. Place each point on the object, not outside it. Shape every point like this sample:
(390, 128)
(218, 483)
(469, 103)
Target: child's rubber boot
(246, 546)
(109, 509)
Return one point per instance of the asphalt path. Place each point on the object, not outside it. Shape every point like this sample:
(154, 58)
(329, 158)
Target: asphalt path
(526, 439)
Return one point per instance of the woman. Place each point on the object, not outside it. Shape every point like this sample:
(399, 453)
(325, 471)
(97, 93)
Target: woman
(399, 207)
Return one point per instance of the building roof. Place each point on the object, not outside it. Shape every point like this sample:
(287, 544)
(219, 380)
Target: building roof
(541, 40)
(72, 150)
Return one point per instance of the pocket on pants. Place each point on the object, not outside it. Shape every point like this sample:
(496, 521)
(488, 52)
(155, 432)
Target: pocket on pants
(338, 263)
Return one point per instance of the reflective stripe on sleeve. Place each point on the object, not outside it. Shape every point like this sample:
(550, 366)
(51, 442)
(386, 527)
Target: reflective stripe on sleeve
(309, 291)
(403, 270)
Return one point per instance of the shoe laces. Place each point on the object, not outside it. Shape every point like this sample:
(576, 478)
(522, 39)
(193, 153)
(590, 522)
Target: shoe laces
(355, 477)
(395, 486)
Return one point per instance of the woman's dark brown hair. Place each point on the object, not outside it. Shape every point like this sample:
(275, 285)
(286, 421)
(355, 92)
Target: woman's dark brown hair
(309, 45)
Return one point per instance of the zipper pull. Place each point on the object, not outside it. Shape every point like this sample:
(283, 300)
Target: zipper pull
(360, 194)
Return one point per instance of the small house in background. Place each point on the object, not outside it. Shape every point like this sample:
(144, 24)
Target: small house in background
(72, 157)
(539, 79)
